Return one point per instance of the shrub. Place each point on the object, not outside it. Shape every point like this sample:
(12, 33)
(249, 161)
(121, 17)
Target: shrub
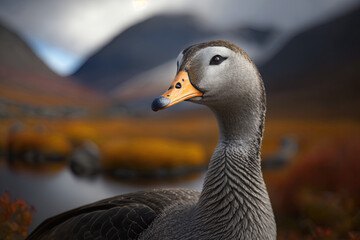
(151, 153)
(15, 218)
(319, 196)
(38, 144)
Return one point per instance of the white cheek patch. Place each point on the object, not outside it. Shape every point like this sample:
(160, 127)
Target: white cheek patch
(211, 73)
(207, 53)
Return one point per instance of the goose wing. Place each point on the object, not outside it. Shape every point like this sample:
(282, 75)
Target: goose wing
(122, 217)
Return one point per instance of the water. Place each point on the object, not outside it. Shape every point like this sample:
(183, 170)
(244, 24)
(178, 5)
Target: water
(62, 191)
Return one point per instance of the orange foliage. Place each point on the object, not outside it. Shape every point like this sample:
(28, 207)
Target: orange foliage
(56, 143)
(78, 133)
(151, 154)
(47, 143)
(320, 193)
(316, 197)
(15, 218)
(123, 142)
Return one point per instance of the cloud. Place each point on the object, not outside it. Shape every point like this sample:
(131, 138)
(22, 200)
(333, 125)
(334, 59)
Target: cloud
(80, 27)
(76, 26)
(284, 14)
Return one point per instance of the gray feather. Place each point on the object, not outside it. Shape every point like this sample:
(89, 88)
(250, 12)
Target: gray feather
(234, 203)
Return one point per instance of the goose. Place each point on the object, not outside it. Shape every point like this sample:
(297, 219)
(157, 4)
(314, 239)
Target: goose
(234, 202)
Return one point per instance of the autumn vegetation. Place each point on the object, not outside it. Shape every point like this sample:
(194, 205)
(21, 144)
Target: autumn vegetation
(123, 142)
(317, 196)
(15, 217)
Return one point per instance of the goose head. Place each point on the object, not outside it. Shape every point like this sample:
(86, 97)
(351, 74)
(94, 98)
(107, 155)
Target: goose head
(222, 76)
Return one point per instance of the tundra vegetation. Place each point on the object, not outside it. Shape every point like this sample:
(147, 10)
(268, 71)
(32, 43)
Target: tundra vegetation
(316, 196)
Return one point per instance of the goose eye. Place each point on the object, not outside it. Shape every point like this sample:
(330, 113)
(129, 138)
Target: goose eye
(217, 59)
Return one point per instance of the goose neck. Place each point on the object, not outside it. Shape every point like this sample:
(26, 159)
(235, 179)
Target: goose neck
(234, 194)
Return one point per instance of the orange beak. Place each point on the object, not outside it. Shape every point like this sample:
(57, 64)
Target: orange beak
(181, 89)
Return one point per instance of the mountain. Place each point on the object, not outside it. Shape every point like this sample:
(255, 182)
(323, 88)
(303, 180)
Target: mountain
(26, 83)
(139, 48)
(16, 54)
(153, 42)
(317, 72)
(146, 84)
(256, 35)
(137, 93)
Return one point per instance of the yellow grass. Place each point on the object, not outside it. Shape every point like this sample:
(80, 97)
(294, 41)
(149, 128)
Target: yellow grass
(149, 138)
(303, 197)
(151, 153)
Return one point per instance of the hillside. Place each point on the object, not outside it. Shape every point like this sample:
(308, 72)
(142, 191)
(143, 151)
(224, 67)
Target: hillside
(317, 72)
(26, 83)
(16, 54)
(314, 73)
(154, 42)
(139, 48)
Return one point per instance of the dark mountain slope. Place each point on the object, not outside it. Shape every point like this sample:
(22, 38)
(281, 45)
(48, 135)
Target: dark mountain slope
(140, 48)
(318, 71)
(25, 80)
(15, 53)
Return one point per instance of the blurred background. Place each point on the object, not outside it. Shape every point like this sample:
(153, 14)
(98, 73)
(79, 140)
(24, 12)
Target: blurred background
(77, 79)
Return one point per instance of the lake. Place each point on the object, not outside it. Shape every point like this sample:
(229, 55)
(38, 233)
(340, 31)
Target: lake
(55, 193)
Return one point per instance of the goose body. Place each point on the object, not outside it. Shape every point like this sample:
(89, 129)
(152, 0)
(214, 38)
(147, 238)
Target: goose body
(234, 203)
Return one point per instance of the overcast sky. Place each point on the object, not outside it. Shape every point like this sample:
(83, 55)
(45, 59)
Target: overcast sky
(65, 32)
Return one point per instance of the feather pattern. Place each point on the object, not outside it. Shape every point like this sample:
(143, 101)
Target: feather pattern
(234, 203)
(120, 217)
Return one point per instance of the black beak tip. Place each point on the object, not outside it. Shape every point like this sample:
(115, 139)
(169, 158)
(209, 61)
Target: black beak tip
(160, 103)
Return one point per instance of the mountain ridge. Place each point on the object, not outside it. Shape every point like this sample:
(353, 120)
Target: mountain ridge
(25, 80)
(318, 70)
(128, 53)
(16, 53)
(153, 42)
